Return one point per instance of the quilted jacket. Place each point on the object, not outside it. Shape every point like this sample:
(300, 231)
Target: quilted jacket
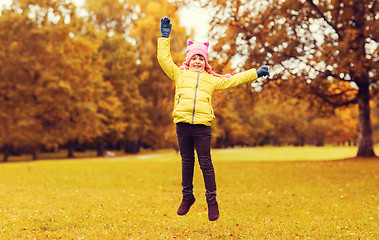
(193, 92)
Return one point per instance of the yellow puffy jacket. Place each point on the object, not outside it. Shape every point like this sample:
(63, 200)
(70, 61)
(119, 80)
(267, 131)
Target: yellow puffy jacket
(193, 93)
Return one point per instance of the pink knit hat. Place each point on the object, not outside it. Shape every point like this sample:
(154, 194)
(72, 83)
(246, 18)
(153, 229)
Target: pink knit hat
(201, 49)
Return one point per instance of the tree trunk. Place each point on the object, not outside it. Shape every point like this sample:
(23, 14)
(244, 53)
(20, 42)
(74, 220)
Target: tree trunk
(35, 152)
(365, 142)
(5, 152)
(70, 149)
(100, 147)
(132, 146)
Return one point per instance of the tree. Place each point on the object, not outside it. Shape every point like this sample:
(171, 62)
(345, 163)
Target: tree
(51, 90)
(329, 47)
(139, 22)
(156, 88)
(120, 70)
(17, 122)
(116, 19)
(375, 120)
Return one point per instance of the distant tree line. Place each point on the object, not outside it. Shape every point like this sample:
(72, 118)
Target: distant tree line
(93, 81)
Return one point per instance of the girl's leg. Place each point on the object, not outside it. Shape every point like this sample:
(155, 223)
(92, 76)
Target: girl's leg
(202, 140)
(186, 148)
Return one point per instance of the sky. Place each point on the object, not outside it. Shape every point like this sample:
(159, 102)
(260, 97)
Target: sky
(197, 18)
(192, 17)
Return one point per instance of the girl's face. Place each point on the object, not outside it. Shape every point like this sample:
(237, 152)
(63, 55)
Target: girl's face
(197, 63)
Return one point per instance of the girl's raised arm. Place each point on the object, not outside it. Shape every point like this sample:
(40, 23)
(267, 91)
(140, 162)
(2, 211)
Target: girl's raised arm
(163, 51)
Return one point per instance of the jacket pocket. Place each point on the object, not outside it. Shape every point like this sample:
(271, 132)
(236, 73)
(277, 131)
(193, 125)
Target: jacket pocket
(177, 103)
(210, 107)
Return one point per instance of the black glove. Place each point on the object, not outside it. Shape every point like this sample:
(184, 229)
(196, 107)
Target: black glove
(263, 71)
(165, 27)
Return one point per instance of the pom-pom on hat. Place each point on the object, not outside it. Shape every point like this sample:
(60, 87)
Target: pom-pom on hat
(194, 48)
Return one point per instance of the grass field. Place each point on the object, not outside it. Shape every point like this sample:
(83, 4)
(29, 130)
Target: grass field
(263, 193)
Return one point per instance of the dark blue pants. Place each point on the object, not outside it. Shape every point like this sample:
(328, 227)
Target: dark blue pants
(191, 137)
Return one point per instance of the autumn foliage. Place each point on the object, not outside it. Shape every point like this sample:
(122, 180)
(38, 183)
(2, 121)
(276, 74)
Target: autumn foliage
(93, 81)
(327, 51)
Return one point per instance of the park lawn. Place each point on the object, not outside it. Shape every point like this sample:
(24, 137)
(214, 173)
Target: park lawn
(267, 153)
(137, 197)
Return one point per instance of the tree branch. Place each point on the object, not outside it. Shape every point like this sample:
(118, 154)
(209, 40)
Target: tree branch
(373, 9)
(328, 97)
(373, 82)
(325, 19)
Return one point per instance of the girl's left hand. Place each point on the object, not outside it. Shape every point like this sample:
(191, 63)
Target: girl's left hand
(263, 71)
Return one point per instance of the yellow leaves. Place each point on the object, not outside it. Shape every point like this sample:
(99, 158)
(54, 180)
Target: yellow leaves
(13, 46)
(82, 45)
(90, 106)
(342, 89)
(109, 14)
(66, 87)
(55, 81)
(26, 123)
(152, 7)
(145, 76)
(333, 88)
(109, 104)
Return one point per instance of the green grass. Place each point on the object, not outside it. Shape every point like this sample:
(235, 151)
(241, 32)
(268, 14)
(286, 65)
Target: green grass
(263, 193)
(268, 153)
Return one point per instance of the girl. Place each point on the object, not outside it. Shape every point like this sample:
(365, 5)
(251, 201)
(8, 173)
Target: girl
(195, 83)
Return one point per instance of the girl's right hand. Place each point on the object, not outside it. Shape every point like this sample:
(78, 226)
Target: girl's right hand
(165, 27)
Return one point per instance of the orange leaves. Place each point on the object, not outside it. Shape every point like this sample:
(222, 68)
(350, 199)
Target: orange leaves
(54, 83)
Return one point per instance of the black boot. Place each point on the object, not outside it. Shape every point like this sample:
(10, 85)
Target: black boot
(213, 213)
(185, 206)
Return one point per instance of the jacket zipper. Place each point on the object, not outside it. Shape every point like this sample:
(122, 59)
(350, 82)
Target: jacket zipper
(194, 102)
